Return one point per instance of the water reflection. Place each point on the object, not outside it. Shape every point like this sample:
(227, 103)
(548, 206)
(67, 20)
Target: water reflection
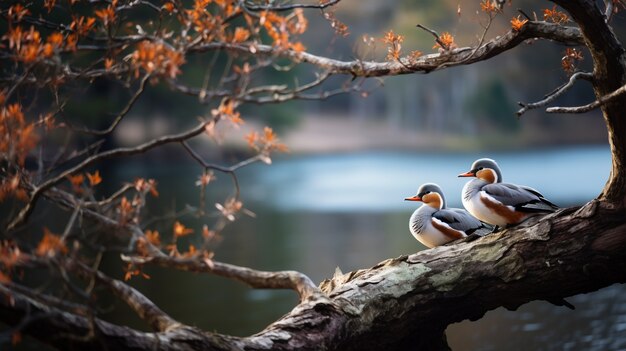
(315, 213)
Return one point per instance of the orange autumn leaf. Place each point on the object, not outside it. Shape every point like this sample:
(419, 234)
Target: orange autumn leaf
(414, 56)
(157, 58)
(445, 42)
(82, 25)
(55, 39)
(298, 47)
(517, 23)
(226, 109)
(125, 210)
(230, 208)
(573, 53)
(17, 12)
(169, 7)
(181, 230)
(570, 59)
(48, 50)
(49, 5)
(205, 178)
(555, 16)
(71, 41)
(145, 186)
(153, 237)
(107, 15)
(76, 180)
(251, 138)
(14, 36)
(29, 53)
(94, 179)
(130, 273)
(10, 254)
(108, 63)
(391, 38)
(488, 6)
(240, 35)
(268, 135)
(50, 244)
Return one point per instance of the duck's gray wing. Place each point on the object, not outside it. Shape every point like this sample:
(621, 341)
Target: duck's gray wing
(461, 220)
(522, 198)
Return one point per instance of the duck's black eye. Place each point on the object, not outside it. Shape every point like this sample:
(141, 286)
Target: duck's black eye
(480, 168)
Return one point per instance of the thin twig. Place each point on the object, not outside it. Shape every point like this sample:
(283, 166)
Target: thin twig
(122, 113)
(435, 34)
(586, 108)
(288, 7)
(123, 151)
(554, 94)
(293, 280)
(139, 303)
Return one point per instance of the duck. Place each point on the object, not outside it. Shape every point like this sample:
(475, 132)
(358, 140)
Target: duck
(433, 224)
(494, 202)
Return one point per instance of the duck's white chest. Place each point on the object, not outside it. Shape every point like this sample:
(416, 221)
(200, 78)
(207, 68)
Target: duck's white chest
(426, 233)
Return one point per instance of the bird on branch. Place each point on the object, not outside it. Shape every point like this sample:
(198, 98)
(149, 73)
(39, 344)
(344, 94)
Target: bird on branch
(487, 198)
(433, 224)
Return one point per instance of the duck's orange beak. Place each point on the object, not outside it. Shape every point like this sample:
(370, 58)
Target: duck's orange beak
(414, 198)
(467, 174)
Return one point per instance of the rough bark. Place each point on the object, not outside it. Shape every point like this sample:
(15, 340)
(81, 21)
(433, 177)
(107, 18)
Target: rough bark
(406, 302)
(609, 70)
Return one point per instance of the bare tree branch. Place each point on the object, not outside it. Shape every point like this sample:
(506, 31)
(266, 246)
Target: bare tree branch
(139, 303)
(322, 5)
(591, 106)
(423, 64)
(122, 113)
(124, 151)
(555, 94)
(293, 280)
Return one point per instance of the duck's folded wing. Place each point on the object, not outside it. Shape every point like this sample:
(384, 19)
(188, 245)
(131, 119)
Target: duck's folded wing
(458, 219)
(521, 198)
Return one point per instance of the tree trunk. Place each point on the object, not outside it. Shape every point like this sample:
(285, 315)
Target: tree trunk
(609, 71)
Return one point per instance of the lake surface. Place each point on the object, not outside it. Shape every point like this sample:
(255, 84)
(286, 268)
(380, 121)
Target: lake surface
(315, 213)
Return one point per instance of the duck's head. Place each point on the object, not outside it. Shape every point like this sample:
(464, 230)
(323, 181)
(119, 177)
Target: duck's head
(485, 169)
(431, 195)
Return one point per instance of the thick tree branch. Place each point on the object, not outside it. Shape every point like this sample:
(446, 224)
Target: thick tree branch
(423, 64)
(58, 328)
(411, 299)
(609, 72)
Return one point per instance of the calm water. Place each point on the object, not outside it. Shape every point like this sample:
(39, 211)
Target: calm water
(315, 213)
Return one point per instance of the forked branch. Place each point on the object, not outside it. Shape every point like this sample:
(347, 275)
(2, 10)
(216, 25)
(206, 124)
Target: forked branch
(292, 280)
(591, 106)
(555, 94)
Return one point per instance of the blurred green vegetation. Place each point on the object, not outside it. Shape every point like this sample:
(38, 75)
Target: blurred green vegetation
(491, 103)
